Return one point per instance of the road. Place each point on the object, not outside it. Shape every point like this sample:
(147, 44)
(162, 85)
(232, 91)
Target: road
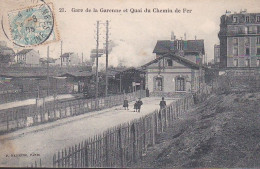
(47, 139)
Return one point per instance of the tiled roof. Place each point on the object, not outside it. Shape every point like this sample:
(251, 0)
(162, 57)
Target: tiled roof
(178, 59)
(78, 74)
(24, 51)
(165, 46)
(66, 54)
(5, 48)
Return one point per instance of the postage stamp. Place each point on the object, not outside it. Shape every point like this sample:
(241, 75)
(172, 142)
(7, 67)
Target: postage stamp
(33, 25)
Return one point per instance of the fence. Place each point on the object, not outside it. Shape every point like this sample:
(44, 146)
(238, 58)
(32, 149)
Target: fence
(17, 96)
(27, 116)
(122, 145)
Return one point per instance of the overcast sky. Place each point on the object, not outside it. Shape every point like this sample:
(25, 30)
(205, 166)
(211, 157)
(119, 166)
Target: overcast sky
(136, 33)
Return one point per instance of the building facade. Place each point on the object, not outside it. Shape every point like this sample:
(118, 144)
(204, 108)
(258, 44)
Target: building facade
(70, 59)
(7, 55)
(177, 75)
(28, 57)
(239, 37)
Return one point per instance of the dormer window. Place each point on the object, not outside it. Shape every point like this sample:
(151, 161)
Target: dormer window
(169, 62)
(235, 19)
(257, 18)
(247, 19)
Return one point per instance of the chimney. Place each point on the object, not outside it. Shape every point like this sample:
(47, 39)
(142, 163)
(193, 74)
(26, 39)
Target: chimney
(184, 36)
(173, 37)
(195, 37)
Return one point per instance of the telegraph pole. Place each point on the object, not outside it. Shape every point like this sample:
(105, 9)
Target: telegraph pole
(107, 23)
(61, 53)
(82, 58)
(48, 78)
(97, 63)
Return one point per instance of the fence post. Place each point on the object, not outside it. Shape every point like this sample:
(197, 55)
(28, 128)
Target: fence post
(16, 117)
(106, 147)
(54, 161)
(120, 147)
(7, 122)
(86, 154)
(144, 134)
(134, 142)
(72, 157)
(153, 128)
(58, 159)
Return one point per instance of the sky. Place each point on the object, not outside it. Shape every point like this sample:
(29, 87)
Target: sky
(134, 33)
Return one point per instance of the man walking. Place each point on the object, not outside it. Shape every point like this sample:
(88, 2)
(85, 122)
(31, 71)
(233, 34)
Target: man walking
(139, 104)
(162, 103)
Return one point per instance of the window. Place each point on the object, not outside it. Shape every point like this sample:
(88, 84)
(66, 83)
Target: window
(235, 29)
(235, 62)
(235, 19)
(257, 18)
(247, 19)
(169, 62)
(250, 29)
(235, 51)
(258, 51)
(235, 41)
(158, 84)
(247, 41)
(247, 51)
(180, 85)
(257, 40)
(258, 62)
(258, 29)
(246, 30)
(247, 62)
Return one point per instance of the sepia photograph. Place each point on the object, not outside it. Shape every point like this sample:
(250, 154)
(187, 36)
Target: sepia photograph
(130, 84)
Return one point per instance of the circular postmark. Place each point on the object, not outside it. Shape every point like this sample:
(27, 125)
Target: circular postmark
(31, 26)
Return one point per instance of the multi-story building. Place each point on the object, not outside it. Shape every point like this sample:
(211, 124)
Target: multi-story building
(192, 50)
(239, 37)
(177, 67)
(216, 54)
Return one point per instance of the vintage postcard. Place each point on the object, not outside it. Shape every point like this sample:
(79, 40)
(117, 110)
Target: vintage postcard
(130, 83)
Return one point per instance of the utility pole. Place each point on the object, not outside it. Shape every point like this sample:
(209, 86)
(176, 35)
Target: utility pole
(97, 63)
(107, 23)
(82, 58)
(61, 53)
(48, 78)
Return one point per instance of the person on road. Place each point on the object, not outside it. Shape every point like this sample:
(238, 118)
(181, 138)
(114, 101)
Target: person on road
(139, 104)
(162, 103)
(125, 105)
(136, 106)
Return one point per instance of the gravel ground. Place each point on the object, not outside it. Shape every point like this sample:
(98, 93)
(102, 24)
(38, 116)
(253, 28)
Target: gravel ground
(222, 132)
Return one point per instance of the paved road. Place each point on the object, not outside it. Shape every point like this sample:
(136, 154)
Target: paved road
(47, 139)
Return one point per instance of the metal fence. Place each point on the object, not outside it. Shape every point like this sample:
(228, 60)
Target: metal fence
(21, 117)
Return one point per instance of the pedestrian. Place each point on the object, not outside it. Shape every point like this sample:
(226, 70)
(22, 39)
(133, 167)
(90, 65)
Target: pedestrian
(136, 106)
(139, 104)
(162, 103)
(125, 105)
